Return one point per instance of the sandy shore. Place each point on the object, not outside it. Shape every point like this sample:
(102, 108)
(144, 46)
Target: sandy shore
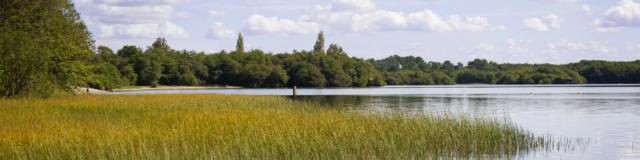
(172, 88)
(84, 90)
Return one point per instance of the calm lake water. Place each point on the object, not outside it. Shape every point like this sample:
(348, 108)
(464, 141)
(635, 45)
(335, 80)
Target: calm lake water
(607, 115)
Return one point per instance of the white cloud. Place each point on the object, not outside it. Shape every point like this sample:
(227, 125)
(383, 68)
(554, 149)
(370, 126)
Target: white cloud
(167, 29)
(133, 18)
(625, 14)
(113, 14)
(633, 47)
(603, 28)
(171, 30)
(219, 31)
(348, 5)
(259, 24)
(469, 24)
(513, 46)
(361, 16)
(426, 20)
(484, 47)
(553, 20)
(498, 28)
(586, 9)
(537, 24)
(216, 13)
(378, 20)
(590, 47)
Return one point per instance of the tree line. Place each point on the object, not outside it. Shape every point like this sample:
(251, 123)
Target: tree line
(161, 65)
(412, 70)
(47, 50)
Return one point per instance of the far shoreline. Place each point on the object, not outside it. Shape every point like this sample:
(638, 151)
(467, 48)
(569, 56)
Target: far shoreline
(139, 88)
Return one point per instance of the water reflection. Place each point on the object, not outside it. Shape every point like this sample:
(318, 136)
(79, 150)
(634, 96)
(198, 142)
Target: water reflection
(610, 120)
(608, 114)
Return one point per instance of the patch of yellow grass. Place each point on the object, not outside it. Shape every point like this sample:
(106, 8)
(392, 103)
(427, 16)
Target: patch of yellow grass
(205, 126)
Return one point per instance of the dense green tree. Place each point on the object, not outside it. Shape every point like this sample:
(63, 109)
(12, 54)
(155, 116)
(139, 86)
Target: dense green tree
(44, 47)
(447, 65)
(307, 75)
(334, 49)
(319, 46)
(161, 43)
(240, 44)
(129, 51)
(277, 78)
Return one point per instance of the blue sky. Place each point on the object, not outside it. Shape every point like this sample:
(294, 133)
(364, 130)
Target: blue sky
(515, 31)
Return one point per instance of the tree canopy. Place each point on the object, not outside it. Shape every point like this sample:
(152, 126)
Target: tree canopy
(45, 48)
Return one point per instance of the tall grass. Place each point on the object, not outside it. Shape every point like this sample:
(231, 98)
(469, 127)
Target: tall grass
(200, 126)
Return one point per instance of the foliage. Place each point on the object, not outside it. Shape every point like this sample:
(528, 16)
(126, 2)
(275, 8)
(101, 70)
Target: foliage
(44, 46)
(240, 43)
(201, 126)
(319, 46)
(47, 50)
(256, 69)
(415, 71)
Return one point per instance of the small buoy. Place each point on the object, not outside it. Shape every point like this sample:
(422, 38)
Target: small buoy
(579, 93)
(530, 92)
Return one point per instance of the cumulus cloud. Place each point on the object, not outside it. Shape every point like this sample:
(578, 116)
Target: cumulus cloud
(535, 24)
(604, 28)
(548, 22)
(362, 16)
(259, 24)
(625, 14)
(553, 20)
(427, 20)
(586, 9)
(358, 16)
(633, 47)
(215, 13)
(469, 24)
(484, 47)
(219, 31)
(166, 29)
(348, 5)
(133, 18)
(498, 28)
(513, 46)
(591, 47)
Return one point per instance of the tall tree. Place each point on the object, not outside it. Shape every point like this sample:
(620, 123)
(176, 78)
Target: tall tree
(334, 49)
(161, 43)
(240, 44)
(44, 47)
(319, 46)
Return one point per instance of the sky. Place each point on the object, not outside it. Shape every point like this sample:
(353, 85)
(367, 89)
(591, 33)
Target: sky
(504, 31)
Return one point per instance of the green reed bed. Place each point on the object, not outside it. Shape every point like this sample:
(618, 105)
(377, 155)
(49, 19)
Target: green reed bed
(203, 126)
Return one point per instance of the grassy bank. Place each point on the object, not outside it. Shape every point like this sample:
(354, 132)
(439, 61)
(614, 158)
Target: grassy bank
(221, 126)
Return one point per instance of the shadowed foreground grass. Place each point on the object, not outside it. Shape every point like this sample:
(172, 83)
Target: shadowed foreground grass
(201, 126)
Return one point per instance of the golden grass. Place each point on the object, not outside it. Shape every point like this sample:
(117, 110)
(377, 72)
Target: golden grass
(204, 126)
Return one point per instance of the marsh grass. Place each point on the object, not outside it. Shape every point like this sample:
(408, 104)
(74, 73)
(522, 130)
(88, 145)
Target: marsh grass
(203, 126)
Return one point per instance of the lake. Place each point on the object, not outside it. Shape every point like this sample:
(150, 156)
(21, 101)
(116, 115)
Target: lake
(606, 115)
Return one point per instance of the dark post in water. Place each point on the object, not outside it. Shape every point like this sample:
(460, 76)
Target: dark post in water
(294, 91)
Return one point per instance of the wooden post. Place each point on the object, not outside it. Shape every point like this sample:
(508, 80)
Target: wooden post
(294, 91)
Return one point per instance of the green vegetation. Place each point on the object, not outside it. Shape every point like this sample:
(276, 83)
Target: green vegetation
(200, 126)
(415, 71)
(46, 50)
